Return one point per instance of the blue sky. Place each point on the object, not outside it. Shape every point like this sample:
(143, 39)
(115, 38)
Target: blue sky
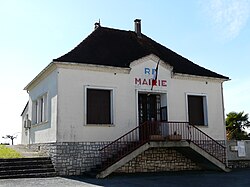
(211, 33)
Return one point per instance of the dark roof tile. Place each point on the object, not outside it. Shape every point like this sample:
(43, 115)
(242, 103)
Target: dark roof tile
(113, 47)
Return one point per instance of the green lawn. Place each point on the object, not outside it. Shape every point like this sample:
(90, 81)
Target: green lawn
(6, 152)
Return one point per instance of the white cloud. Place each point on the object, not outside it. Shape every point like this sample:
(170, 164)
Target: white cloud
(228, 17)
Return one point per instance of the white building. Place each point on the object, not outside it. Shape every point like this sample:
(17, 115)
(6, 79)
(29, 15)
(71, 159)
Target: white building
(102, 89)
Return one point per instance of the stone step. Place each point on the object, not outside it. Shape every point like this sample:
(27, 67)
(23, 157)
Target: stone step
(26, 167)
(15, 167)
(20, 163)
(24, 171)
(23, 161)
(186, 148)
(35, 159)
(29, 175)
(124, 150)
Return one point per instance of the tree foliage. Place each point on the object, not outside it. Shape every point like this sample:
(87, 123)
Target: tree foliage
(236, 124)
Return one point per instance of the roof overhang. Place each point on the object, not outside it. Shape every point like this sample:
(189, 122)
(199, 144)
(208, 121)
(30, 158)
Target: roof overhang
(25, 108)
(71, 65)
(44, 73)
(92, 67)
(197, 77)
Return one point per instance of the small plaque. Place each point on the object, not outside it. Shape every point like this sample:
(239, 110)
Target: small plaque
(241, 148)
(234, 148)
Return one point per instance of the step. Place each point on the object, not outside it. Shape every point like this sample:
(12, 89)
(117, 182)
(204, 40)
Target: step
(23, 159)
(26, 167)
(20, 163)
(23, 171)
(29, 161)
(15, 167)
(29, 175)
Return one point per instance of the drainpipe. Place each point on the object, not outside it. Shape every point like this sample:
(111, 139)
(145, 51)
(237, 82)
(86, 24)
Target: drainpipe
(29, 139)
(28, 125)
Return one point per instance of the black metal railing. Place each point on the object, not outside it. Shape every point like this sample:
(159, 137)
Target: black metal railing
(186, 131)
(159, 131)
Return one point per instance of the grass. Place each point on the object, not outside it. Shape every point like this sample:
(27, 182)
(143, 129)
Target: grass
(6, 152)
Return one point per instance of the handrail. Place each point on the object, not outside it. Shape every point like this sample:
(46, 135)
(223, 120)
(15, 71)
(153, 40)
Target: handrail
(189, 132)
(208, 144)
(123, 145)
(207, 136)
(140, 126)
(123, 136)
(143, 133)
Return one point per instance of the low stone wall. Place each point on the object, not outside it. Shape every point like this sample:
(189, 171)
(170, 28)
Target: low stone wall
(236, 160)
(72, 158)
(157, 160)
(239, 164)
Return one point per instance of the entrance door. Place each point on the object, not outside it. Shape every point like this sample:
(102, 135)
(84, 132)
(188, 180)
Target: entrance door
(149, 107)
(148, 110)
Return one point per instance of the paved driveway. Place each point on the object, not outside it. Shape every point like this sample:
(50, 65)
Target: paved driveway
(237, 178)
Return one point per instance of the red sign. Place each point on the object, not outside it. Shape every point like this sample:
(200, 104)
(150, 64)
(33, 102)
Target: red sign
(145, 82)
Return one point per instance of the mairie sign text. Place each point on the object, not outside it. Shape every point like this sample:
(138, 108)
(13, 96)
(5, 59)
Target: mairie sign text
(148, 81)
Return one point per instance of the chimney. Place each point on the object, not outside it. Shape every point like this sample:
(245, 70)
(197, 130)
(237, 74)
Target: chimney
(138, 27)
(97, 24)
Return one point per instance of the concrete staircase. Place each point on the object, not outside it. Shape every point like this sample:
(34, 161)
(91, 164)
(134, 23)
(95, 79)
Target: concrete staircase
(190, 150)
(182, 136)
(26, 167)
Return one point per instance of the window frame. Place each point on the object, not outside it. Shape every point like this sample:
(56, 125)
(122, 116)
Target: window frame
(112, 105)
(205, 107)
(40, 107)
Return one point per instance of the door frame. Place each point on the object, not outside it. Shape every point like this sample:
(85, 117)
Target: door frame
(164, 100)
(149, 107)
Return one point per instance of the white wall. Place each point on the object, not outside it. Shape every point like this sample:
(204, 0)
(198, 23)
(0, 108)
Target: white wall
(212, 90)
(24, 138)
(177, 90)
(66, 89)
(71, 102)
(73, 81)
(44, 132)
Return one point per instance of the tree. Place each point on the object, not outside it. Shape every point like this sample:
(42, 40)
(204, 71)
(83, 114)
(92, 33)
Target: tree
(236, 123)
(10, 137)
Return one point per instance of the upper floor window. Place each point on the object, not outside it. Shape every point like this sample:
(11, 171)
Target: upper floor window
(197, 109)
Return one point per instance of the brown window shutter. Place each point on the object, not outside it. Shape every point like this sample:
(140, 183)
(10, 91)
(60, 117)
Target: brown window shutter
(196, 110)
(98, 106)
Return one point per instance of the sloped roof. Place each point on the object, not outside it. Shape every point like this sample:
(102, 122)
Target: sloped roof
(25, 108)
(118, 48)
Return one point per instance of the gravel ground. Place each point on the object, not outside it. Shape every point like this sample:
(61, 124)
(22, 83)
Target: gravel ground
(236, 178)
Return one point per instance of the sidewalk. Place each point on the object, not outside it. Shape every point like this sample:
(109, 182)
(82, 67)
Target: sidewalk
(26, 152)
(236, 178)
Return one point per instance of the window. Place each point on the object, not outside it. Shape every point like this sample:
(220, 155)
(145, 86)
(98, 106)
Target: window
(99, 108)
(40, 110)
(197, 109)
(36, 112)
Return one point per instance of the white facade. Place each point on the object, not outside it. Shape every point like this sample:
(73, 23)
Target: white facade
(42, 87)
(63, 87)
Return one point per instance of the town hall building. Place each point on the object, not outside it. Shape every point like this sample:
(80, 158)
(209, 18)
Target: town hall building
(118, 98)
